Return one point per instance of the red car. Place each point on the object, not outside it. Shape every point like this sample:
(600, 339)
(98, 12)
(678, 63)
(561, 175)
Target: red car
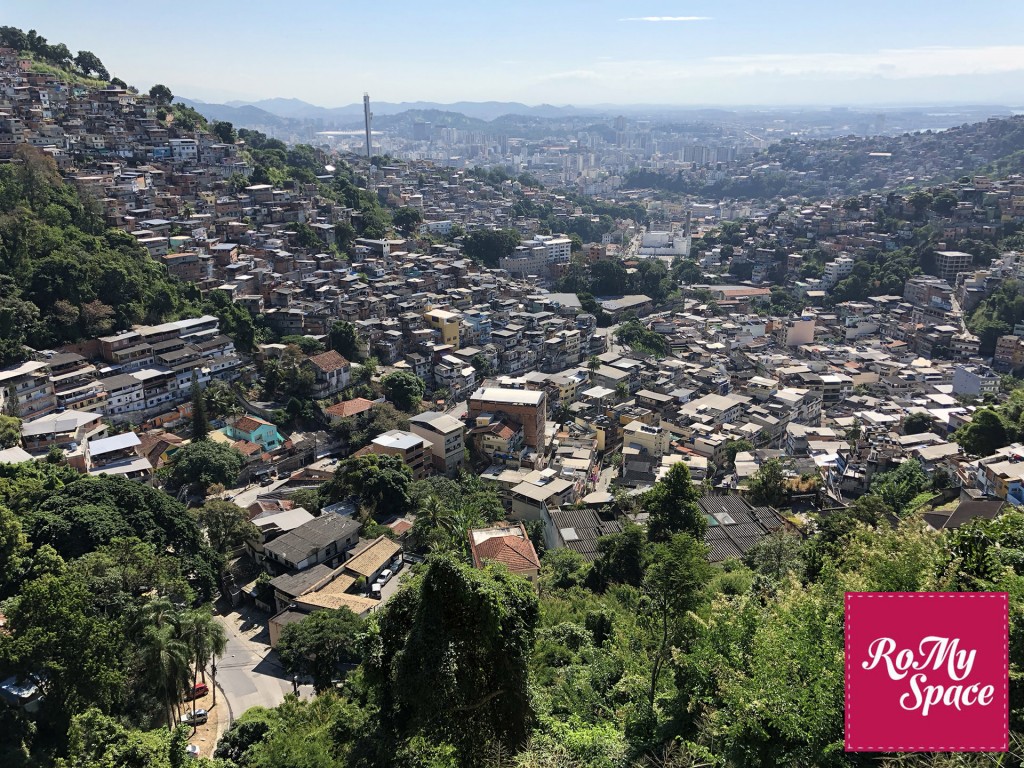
(200, 690)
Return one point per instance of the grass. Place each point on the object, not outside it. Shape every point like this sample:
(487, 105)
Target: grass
(68, 76)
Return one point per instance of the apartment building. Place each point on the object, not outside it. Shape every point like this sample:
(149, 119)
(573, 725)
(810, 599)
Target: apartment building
(445, 436)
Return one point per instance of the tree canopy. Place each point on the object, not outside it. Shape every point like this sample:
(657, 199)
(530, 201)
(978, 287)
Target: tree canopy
(404, 389)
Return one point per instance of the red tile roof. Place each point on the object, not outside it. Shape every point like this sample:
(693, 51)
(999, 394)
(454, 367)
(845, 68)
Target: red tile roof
(246, 448)
(248, 424)
(329, 361)
(514, 550)
(348, 408)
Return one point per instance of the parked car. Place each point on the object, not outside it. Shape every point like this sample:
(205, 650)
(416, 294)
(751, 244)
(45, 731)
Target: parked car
(375, 590)
(192, 750)
(195, 717)
(197, 692)
(385, 576)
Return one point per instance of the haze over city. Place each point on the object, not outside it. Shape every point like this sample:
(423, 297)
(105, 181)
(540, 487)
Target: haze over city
(607, 52)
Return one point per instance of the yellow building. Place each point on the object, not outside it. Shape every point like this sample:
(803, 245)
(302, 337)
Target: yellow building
(446, 323)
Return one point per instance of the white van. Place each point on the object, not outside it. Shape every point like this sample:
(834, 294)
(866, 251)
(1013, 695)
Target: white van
(385, 576)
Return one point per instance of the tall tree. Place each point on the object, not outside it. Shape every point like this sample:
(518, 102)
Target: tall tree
(203, 464)
(200, 421)
(451, 659)
(672, 505)
(672, 586)
(226, 524)
(345, 341)
(768, 484)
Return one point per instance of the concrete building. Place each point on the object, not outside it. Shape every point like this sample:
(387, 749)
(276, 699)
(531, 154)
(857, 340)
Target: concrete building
(412, 449)
(445, 323)
(950, 263)
(445, 436)
(526, 406)
(26, 389)
(648, 439)
(974, 381)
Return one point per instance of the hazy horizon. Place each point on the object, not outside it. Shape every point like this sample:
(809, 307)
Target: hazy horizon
(669, 53)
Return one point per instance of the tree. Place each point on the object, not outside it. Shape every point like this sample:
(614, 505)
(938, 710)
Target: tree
(380, 482)
(224, 131)
(736, 446)
(345, 341)
(13, 549)
(203, 464)
(226, 525)
(220, 400)
(450, 661)
(10, 430)
(672, 586)
(404, 389)
(205, 639)
(984, 435)
(490, 245)
(318, 645)
(89, 64)
(161, 94)
(898, 487)
(776, 556)
(406, 219)
(944, 203)
(200, 421)
(917, 422)
(768, 485)
(672, 505)
(622, 559)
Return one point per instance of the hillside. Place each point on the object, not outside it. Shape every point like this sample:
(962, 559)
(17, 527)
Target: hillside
(63, 276)
(854, 165)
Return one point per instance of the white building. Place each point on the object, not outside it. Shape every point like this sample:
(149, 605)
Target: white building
(974, 380)
(837, 270)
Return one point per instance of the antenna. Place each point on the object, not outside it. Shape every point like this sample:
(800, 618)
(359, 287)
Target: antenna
(368, 115)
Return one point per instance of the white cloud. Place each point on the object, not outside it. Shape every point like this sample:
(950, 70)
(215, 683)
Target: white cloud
(667, 18)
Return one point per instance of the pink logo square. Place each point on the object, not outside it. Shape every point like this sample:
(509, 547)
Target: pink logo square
(927, 671)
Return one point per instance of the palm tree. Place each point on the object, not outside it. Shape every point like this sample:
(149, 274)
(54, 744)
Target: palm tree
(593, 364)
(165, 660)
(205, 639)
(435, 521)
(159, 612)
(217, 642)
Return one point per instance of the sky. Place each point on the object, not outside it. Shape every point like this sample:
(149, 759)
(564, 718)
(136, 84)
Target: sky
(579, 52)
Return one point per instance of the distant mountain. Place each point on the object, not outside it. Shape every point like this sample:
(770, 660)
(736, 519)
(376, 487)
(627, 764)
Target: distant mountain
(480, 110)
(243, 116)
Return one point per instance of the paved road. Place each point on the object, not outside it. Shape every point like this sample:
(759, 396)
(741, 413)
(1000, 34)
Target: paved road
(249, 672)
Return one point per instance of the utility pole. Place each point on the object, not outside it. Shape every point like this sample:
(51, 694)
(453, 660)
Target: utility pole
(368, 116)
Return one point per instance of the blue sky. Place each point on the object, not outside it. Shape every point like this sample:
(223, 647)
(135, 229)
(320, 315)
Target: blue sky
(727, 52)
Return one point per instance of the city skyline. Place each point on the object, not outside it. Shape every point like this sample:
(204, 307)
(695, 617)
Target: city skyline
(664, 52)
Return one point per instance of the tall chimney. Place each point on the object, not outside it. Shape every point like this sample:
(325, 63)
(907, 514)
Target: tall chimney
(368, 115)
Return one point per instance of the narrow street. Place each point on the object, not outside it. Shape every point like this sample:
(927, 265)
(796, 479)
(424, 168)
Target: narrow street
(249, 673)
